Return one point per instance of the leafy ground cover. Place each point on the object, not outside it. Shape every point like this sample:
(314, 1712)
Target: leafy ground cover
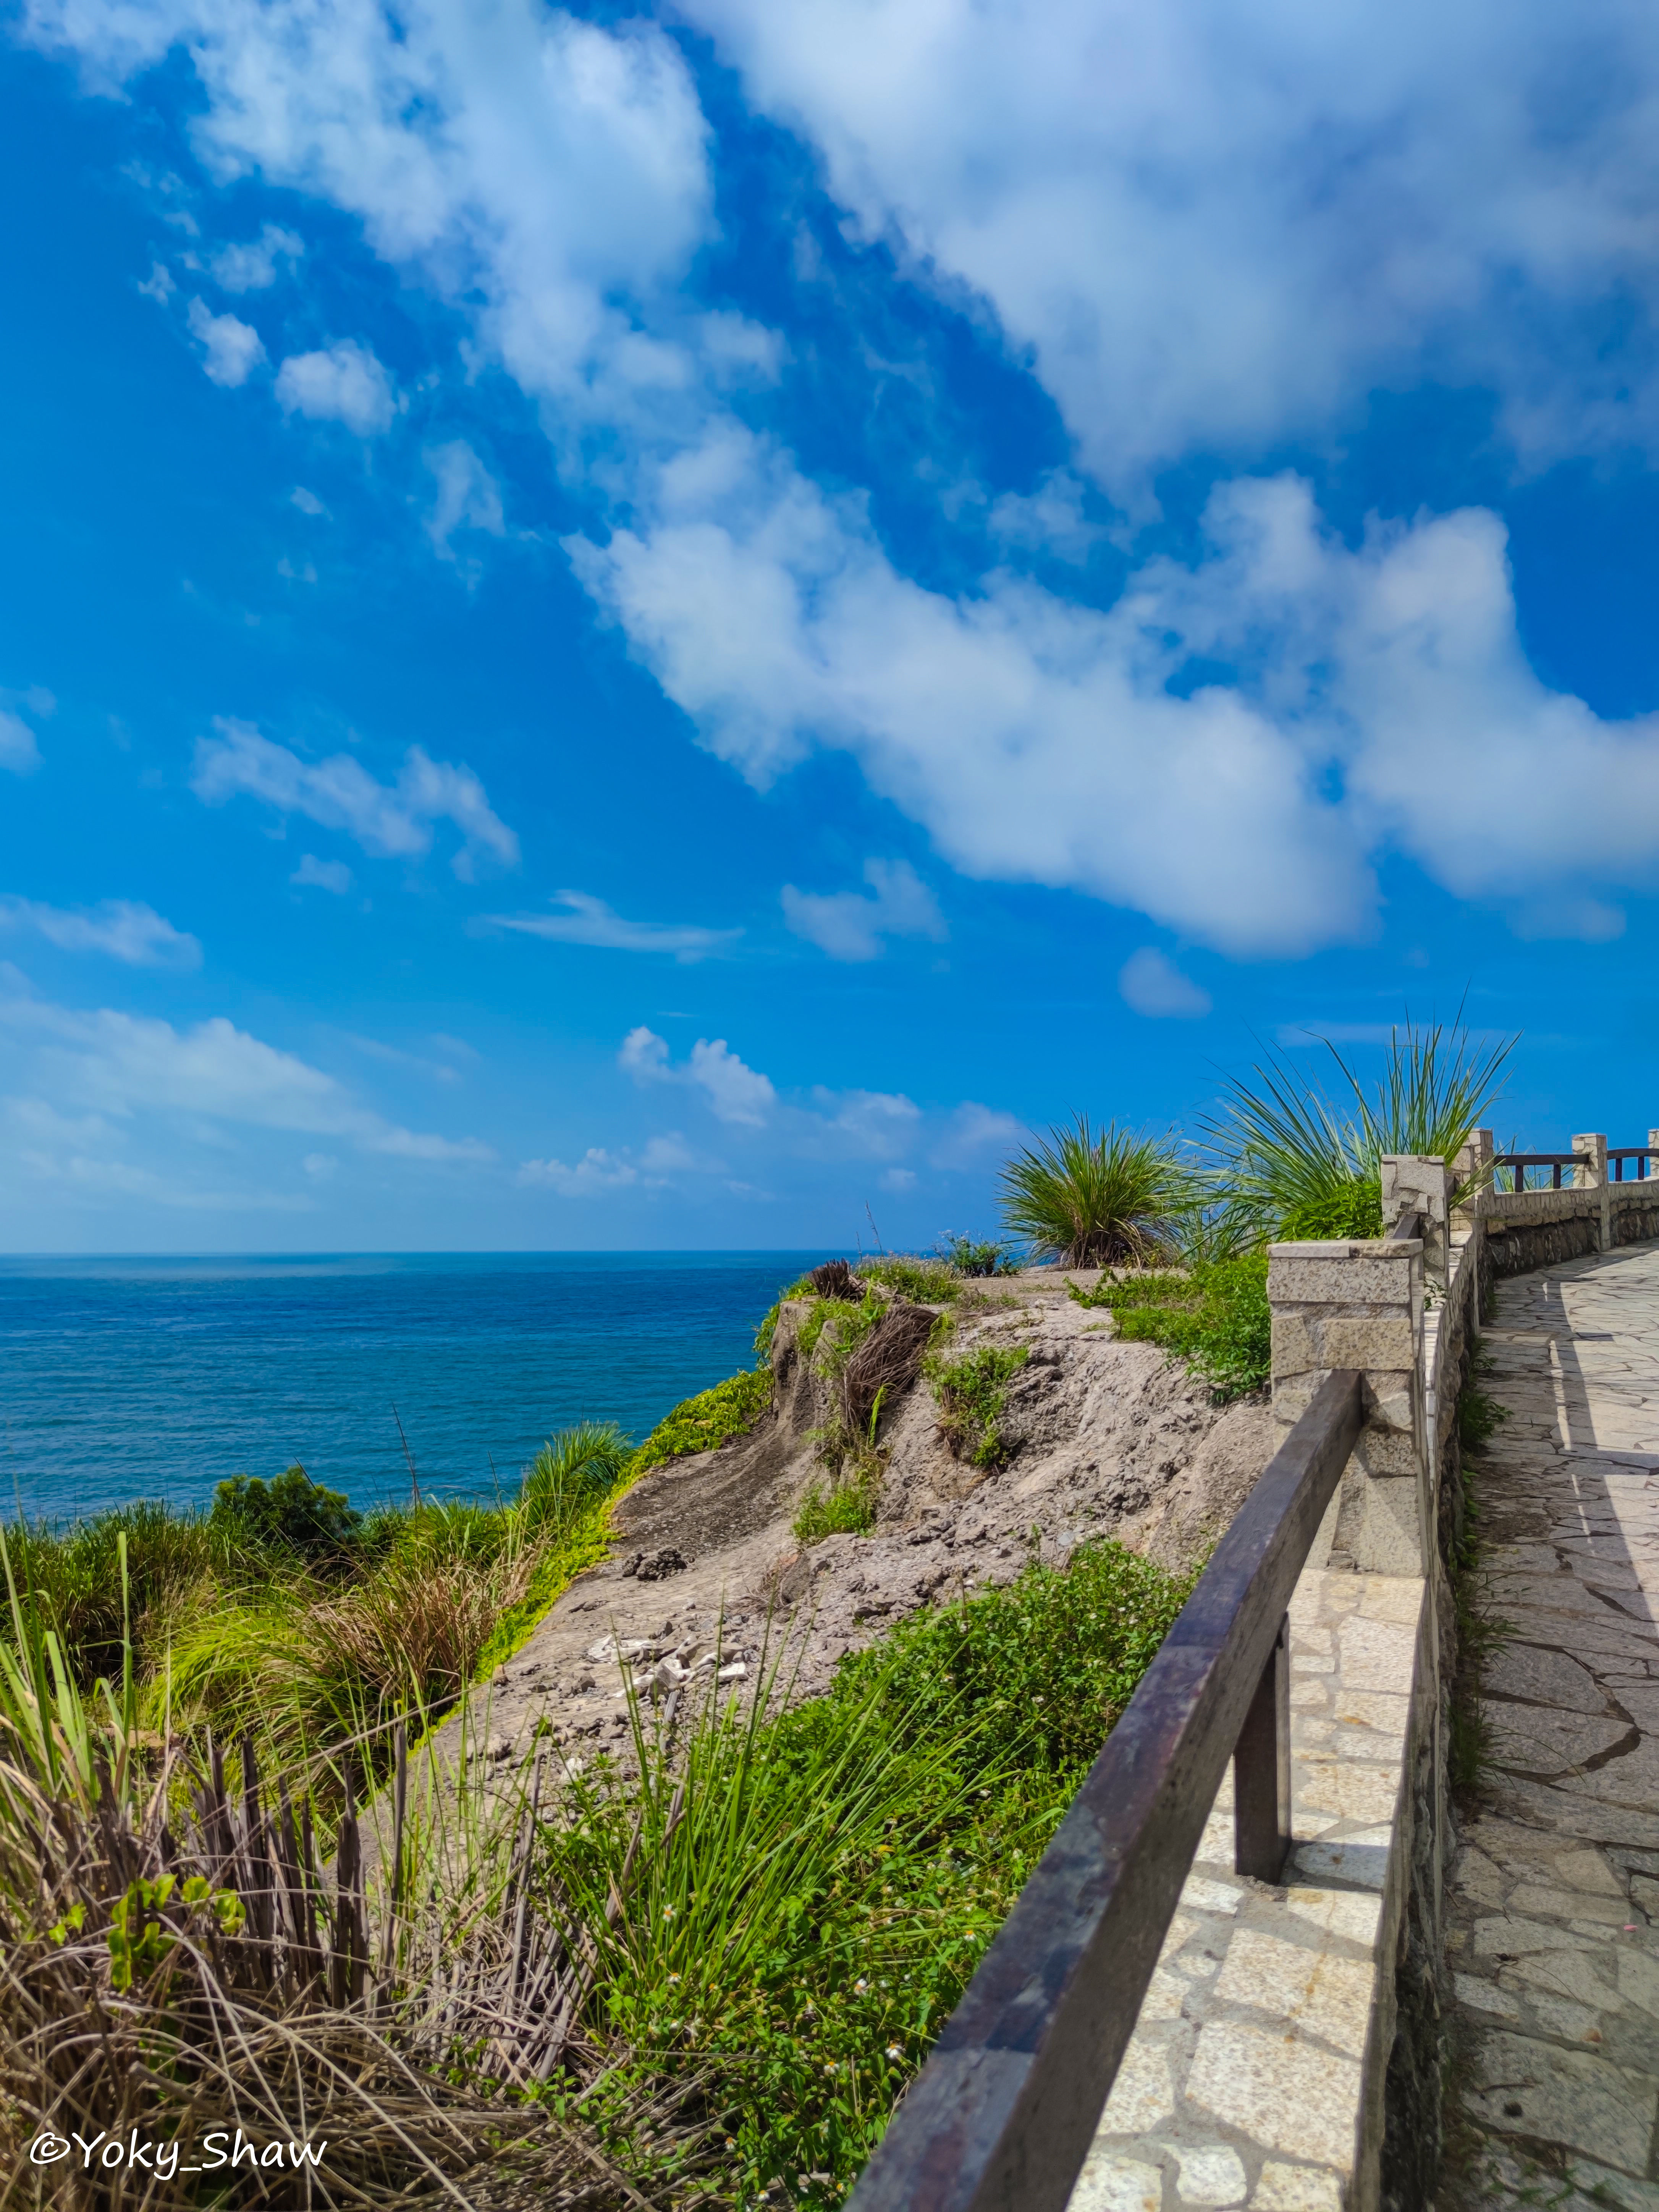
(1214, 1314)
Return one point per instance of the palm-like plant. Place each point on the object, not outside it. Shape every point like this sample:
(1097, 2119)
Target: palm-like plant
(1097, 1199)
(1296, 1165)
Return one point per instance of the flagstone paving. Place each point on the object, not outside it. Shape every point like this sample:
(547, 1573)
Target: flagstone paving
(1553, 1907)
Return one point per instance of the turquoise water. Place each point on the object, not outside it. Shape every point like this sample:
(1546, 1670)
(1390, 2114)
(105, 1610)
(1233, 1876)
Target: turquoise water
(155, 1378)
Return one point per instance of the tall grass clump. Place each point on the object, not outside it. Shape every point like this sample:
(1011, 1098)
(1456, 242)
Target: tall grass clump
(1296, 1163)
(806, 1893)
(1098, 1198)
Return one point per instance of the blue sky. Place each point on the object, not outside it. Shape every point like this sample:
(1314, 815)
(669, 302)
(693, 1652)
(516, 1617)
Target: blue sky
(649, 630)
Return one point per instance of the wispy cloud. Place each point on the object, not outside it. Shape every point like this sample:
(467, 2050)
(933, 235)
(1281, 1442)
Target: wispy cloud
(854, 925)
(589, 921)
(125, 929)
(119, 1064)
(322, 875)
(394, 821)
(252, 267)
(466, 496)
(1152, 983)
(18, 751)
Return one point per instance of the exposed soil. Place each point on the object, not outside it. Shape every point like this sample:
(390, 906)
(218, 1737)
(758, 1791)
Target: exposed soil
(1106, 1439)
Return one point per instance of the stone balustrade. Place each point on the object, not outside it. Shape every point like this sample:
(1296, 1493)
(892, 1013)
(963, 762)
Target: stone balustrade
(1288, 2057)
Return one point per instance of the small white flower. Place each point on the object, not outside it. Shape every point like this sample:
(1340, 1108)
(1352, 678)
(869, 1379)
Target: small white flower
(860, 1983)
(893, 2050)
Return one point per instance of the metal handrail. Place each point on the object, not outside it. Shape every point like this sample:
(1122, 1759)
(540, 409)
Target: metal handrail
(1001, 2117)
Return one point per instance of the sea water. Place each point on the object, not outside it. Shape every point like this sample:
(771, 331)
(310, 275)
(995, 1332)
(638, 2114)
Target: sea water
(122, 1379)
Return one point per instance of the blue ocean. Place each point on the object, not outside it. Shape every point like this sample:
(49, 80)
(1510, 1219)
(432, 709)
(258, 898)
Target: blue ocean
(122, 1379)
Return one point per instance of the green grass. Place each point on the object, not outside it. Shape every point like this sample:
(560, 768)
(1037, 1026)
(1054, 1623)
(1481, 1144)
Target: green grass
(980, 1256)
(817, 1887)
(972, 1393)
(1214, 1316)
(843, 1505)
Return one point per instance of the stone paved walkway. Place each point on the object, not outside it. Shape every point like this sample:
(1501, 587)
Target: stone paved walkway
(1554, 1913)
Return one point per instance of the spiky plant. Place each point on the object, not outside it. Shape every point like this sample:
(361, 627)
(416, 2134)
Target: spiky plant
(1297, 1164)
(1098, 1198)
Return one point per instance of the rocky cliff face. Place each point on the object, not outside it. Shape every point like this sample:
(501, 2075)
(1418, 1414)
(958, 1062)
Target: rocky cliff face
(1103, 1438)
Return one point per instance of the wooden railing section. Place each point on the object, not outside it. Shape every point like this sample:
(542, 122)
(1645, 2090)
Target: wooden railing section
(1001, 2117)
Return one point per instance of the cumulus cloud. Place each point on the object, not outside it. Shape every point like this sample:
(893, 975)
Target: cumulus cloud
(18, 751)
(393, 821)
(125, 929)
(251, 266)
(322, 875)
(120, 1064)
(732, 1091)
(465, 496)
(343, 382)
(589, 921)
(1154, 986)
(1210, 229)
(231, 349)
(854, 925)
(1214, 225)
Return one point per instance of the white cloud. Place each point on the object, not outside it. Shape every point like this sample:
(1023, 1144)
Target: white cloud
(644, 1055)
(158, 285)
(1214, 225)
(1154, 986)
(125, 929)
(971, 1132)
(252, 267)
(325, 875)
(344, 383)
(1036, 740)
(466, 496)
(878, 1123)
(733, 1091)
(231, 350)
(897, 1180)
(18, 751)
(667, 1155)
(596, 1172)
(393, 821)
(589, 921)
(119, 1065)
(306, 501)
(852, 925)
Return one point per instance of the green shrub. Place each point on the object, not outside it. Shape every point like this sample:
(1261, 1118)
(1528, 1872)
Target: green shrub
(971, 1256)
(1480, 1416)
(1094, 1199)
(846, 1506)
(972, 1393)
(710, 1419)
(1214, 1316)
(929, 1282)
(291, 1514)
